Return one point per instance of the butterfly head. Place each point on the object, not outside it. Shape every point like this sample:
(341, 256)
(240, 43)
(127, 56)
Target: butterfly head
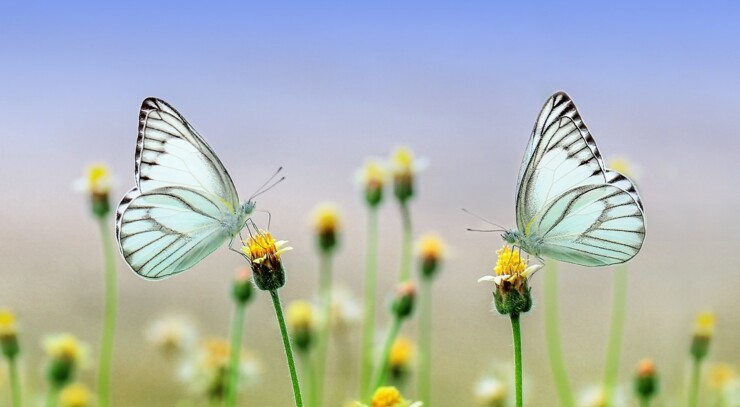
(247, 207)
(511, 236)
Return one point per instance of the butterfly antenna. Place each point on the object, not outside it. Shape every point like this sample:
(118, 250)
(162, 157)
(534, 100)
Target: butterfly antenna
(483, 230)
(503, 229)
(266, 187)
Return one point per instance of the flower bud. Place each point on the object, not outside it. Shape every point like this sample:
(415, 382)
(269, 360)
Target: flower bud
(326, 224)
(242, 287)
(403, 303)
(703, 332)
(8, 335)
(646, 379)
(300, 318)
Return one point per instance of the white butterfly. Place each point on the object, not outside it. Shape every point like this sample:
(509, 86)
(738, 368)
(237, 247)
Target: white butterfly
(184, 205)
(569, 206)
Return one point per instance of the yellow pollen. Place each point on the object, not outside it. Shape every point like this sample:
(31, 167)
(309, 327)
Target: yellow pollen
(387, 397)
(326, 218)
(401, 352)
(403, 160)
(509, 262)
(98, 178)
(431, 247)
(704, 324)
(7, 322)
(260, 246)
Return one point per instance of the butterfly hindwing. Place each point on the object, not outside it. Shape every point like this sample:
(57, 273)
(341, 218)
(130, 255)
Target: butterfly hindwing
(168, 230)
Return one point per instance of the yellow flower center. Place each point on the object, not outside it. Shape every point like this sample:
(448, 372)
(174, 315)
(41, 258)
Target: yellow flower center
(64, 346)
(704, 324)
(262, 246)
(403, 160)
(216, 353)
(401, 352)
(387, 397)
(509, 262)
(373, 174)
(300, 315)
(75, 395)
(326, 218)
(98, 178)
(720, 375)
(7, 322)
(431, 247)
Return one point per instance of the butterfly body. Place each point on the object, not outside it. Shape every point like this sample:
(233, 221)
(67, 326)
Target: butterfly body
(569, 206)
(184, 205)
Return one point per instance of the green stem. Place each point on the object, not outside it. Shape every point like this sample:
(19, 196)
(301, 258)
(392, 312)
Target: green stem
(645, 402)
(237, 330)
(15, 383)
(288, 349)
(517, 333)
(109, 321)
(368, 324)
(325, 333)
(552, 335)
(694, 386)
(381, 370)
(308, 366)
(52, 396)
(425, 342)
(614, 346)
(406, 243)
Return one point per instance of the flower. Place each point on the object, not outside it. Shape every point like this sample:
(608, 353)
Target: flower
(404, 166)
(372, 177)
(8, 334)
(703, 332)
(97, 183)
(326, 222)
(242, 287)
(432, 250)
(512, 293)
(75, 395)
(491, 392)
(66, 354)
(300, 319)
(594, 397)
(646, 379)
(399, 360)
(263, 253)
(345, 311)
(623, 165)
(403, 304)
(173, 335)
(720, 375)
(390, 397)
(207, 369)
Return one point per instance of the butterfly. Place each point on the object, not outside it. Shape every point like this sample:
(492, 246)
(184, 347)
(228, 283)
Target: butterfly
(184, 205)
(569, 206)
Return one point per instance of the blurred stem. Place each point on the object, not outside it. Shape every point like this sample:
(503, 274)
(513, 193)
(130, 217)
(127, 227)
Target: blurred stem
(368, 323)
(311, 375)
(614, 346)
(324, 334)
(552, 335)
(645, 402)
(237, 330)
(517, 334)
(425, 342)
(381, 369)
(52, 396)
(15, 383)
(406, 243)
(288, 349)
(109, 321)
(694, 386)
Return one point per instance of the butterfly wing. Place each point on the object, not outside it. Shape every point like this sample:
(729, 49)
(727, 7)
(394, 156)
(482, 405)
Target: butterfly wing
(580, 211)
(184, 196)
(168, 230)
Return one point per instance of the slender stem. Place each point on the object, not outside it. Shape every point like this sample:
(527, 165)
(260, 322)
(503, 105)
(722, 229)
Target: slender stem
(644, 401)
(288, 349)
(15, 383)
(52, 396)
(614, 346)
(368, 324)
(552, 335)
(109, 321)
(325, 333)
(425, 342)
(237, 329)
(694, 386)
(517, 333)
(381, 369)
(310, 372)
(406, 243)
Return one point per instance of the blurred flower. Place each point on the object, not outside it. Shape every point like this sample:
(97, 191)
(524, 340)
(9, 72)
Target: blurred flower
(703, 332)
(264, 253)
(97, 183)
(390, 397)
(8, 334)
(512, 294)
(404, 167)
(172, 335)
(66, 355)
(403, 303)
(76, 395)
(301, 323)
(346, 313)
(325, 219)
(432, 250)
(400, 358)
(646, 379)
(242, 287)
(491, 392)
(625, 166)
(206, 370)
(594, 397)
(720, 375)
(372, 178)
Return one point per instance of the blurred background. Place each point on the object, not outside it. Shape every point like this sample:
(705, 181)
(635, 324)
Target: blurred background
(317, 87)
